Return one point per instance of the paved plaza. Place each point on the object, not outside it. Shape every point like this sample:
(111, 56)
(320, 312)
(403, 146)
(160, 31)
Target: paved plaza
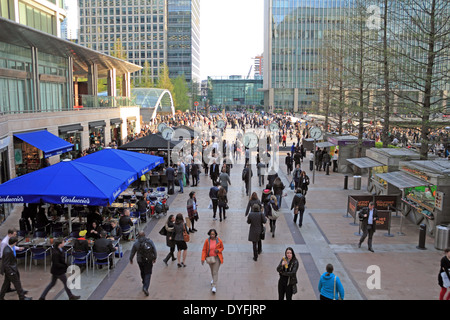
(327, 236)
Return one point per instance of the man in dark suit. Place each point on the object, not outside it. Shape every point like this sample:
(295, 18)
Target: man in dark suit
(10, 271)
(170, 174)
(368, 217)
(104, 245)
(214, 171)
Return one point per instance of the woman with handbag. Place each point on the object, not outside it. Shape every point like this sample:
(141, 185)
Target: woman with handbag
(212, 254)
(330, 286)
(287, 268)
(181, 231)
(271, 213)
(169, 231)
(222, 202)
(192, 210)
(444, 272)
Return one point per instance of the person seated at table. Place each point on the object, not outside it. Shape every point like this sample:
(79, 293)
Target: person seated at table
(42, 221)
(94, 216)
(116, 231)
(81, 244)
(141, 206)
(104, 245)
(94, 231)
(125, 222)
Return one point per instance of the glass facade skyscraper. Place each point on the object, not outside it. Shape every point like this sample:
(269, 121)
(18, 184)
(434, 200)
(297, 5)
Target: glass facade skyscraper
(141, 26)
(183, 39)
(155, 32)
(294, 35)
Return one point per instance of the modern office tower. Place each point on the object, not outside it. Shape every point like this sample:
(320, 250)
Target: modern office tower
(141, 26)
(152, 33)
(258, 72)
(183, 39)
(293, 37)
(45, 16)
(70, 27)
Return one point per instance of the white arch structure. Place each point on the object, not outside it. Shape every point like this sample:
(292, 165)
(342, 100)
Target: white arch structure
(153, 98)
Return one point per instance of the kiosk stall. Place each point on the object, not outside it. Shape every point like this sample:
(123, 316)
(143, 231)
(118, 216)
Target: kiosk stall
(423, 185)
(347, 146)
(383, 160)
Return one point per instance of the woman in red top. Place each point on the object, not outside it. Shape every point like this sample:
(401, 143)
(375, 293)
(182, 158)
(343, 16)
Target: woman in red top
(212, 253)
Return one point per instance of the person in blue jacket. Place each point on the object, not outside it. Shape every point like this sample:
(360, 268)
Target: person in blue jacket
(330, 286)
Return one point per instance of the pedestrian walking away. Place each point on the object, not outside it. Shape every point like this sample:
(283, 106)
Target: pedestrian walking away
(11, 272)
(368, 217)
(287, 269)
(298, 204)
(330, 286)
(212, 254)
(180, 228)
(256, 220)
(191, 207)
(222, 203)
(213, 196)
(146, 257)
(58, 270)
(444, 276)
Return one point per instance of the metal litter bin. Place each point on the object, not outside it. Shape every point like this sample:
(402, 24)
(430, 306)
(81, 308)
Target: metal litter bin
(442, 237)
(356, 182)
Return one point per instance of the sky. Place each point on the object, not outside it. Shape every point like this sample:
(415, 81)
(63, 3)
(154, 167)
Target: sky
(231, 35)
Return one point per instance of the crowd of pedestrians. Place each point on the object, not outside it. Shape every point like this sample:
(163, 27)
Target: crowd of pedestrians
(260, 211)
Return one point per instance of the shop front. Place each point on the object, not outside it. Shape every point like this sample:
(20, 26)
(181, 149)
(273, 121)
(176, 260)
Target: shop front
(424, 185)
(116, 131)
(72, 134)
(5, 208)
(97, 134)
(32, 150)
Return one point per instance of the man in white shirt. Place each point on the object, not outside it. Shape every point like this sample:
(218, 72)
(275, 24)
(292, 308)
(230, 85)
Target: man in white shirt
(368, 217)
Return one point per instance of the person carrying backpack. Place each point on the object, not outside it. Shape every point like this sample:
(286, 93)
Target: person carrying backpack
(146, 257)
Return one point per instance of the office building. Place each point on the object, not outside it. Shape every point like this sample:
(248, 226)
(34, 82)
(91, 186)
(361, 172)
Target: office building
(50, 84)
(183, 39)
(152, 33)
(293, 36)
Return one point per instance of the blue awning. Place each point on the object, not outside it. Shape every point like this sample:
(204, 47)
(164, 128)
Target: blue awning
(50, 144)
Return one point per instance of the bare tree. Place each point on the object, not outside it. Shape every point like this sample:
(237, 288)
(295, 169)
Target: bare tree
(422, 52)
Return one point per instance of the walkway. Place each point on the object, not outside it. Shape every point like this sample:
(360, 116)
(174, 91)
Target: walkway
(327, 236)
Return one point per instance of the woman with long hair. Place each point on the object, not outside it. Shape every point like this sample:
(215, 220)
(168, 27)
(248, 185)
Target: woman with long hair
(287, 269)
(222, 202)
(180, 226)
(170, 238)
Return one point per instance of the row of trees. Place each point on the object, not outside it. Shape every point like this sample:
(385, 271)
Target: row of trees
(178, 87)
(391, 56)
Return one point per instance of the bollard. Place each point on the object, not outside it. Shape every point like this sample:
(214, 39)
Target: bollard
(345, 182)
(328, 169)
(422, 235)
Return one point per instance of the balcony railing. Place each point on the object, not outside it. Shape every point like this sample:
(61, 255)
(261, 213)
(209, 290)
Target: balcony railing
(101, 102)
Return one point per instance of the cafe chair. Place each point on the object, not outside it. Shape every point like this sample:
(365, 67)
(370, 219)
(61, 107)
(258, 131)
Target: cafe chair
(39, 234)
(39, 253)
(126, 232)
(163, 180)
(57, 234)
(23, 255)
(74, 234)
(154, 180)
(81, 258)
(103, 259)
